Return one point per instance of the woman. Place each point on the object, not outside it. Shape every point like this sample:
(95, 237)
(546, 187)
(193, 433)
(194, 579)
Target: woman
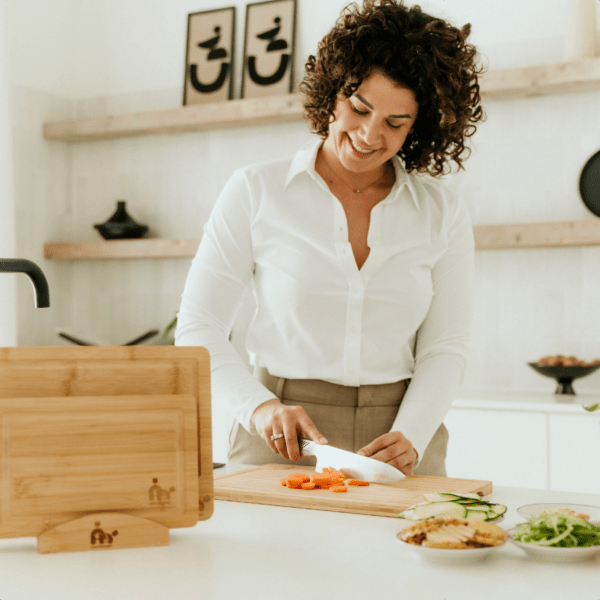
(361, 262)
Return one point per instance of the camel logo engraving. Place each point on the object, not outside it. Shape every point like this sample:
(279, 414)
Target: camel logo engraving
(159, 496)
(100, 538)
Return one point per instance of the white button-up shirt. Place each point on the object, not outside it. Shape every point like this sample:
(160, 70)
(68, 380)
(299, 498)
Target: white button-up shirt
(406, 314)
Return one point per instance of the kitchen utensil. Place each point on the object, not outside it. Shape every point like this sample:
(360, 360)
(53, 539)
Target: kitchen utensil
(352, 465)
(529, 510)
(564, 375)
(589, 184)
(262, 485)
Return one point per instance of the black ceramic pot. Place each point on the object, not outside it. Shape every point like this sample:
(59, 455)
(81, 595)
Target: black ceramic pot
(121, 226)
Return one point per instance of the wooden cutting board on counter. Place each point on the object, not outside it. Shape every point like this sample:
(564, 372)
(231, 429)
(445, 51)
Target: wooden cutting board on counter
(262, 485)
(117, 371)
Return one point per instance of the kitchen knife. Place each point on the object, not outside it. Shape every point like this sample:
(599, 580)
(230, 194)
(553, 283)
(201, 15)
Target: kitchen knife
(352, 465)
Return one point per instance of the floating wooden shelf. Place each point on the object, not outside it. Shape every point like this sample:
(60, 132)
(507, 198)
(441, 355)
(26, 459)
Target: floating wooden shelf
(121, 249)
(216, 115)
(554, 234)
(495, 85)
(557, 234)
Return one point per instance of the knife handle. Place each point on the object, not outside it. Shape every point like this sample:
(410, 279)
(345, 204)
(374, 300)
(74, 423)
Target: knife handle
(303, 444)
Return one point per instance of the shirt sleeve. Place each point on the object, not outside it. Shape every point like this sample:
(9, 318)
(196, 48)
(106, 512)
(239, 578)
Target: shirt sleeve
(442, 340)
(219, 275)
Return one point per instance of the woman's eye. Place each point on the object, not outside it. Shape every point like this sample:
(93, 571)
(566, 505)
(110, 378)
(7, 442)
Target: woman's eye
(358, 112)
(394, 126)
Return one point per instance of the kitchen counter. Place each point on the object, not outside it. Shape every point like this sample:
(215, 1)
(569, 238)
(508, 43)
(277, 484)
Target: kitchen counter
(251, 551)
(526, 401)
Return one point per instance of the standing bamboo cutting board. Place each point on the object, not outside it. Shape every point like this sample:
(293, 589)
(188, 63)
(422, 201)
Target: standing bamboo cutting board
(116, 372)
(68, 456)
(262, 485)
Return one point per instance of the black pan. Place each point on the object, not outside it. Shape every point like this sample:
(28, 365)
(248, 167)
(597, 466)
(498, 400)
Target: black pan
(589, 184)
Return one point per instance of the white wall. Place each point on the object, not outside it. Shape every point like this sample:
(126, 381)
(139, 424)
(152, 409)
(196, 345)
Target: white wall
(84, 58)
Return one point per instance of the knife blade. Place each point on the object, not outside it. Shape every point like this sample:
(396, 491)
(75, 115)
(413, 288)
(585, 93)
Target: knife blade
(352, 465)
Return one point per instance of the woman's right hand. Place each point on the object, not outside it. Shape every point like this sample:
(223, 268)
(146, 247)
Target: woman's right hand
(274, 418)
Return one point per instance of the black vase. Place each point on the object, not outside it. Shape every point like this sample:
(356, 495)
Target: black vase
(121, 226)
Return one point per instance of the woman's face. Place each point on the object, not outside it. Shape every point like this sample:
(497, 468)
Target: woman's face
(371, 126)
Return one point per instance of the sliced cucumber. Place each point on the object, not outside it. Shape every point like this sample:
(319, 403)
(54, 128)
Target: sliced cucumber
(436, 509)
(441, 497)
(499, 509)
(484, 506)
(469, 506)
(477, 515)
(409, 514)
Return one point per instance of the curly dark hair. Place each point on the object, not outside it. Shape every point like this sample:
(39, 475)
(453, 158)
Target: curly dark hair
(415, 50)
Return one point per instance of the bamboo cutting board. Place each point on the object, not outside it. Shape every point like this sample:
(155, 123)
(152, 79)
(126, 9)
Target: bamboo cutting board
(65, 371)
(64, 457)
(262, 485)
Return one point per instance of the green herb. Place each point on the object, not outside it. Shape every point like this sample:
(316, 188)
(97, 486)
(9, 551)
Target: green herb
(559, 530)
(592, 407)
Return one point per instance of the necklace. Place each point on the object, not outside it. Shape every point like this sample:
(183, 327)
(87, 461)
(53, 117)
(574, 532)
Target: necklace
(356, 190)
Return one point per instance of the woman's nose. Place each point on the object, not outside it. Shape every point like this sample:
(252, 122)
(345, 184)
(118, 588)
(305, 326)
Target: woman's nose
(370, 132)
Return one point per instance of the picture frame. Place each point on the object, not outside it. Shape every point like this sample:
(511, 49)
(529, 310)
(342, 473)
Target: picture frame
(269, 48)
(210, 54)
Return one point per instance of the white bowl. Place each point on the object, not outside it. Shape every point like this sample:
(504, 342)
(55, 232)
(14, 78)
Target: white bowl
(449, 555)
(531, 510)
(556, 554)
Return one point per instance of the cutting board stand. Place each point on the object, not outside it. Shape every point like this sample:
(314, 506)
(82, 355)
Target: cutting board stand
(103, 531)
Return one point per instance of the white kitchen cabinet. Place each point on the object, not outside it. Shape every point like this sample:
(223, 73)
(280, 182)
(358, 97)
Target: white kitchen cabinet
(575, 453)
(507, 447)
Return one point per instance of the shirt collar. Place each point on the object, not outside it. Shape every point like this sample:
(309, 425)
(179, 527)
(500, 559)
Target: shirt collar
(304, 161)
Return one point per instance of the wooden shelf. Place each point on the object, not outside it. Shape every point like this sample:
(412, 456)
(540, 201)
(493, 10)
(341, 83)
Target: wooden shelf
(559, 234)
(554, 234)
(199, 117)
(121, 249)
(495, 85)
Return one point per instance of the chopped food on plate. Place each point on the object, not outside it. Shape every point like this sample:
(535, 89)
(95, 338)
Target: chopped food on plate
(558, 529)
(567, 511)
(462, 506)
(453, 533)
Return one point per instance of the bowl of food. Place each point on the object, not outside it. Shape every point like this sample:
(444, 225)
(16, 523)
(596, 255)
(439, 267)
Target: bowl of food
(564, 369)
(452, 539)
(556, 534)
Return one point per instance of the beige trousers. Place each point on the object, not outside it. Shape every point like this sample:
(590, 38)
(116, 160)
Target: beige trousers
(349, 417)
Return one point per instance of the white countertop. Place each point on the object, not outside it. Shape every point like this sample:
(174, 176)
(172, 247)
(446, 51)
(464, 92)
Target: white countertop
(251, 551)
(497, 399)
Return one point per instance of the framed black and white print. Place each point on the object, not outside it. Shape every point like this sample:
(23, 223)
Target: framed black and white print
(209, 56)
(270, 37)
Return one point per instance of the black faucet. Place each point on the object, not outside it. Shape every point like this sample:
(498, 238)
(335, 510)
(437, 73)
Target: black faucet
(40, 283)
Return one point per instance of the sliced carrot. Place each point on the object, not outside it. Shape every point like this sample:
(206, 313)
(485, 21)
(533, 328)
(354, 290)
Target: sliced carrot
(357, 482)
(284, 482)
(308, 486)
(338, 488)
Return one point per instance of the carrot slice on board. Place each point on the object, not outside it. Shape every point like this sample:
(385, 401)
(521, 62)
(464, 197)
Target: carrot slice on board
(338, 488)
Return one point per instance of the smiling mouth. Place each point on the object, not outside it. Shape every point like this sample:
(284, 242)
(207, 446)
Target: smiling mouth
(360, 151)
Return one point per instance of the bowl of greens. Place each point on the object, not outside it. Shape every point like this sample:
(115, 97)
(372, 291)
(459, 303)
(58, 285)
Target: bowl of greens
(558, 536)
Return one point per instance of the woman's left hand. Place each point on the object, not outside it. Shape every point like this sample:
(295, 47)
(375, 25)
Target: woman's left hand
(394, 449)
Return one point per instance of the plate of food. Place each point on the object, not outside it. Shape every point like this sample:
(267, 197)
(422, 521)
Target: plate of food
(583, 511)
(558, 536)
(463, 506)
(452, 539)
